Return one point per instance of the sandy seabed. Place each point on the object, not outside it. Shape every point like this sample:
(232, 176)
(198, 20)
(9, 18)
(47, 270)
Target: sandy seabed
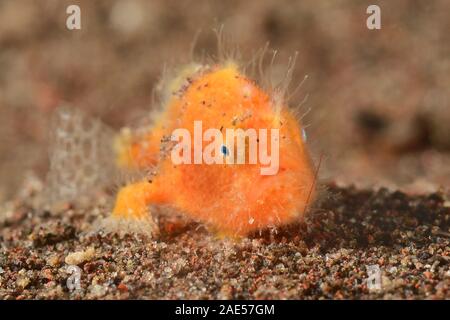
(325, 257)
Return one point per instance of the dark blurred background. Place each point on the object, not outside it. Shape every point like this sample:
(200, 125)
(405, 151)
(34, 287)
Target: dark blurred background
(379, 98)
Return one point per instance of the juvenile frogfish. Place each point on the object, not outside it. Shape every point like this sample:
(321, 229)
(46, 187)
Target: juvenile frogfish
(232, 198)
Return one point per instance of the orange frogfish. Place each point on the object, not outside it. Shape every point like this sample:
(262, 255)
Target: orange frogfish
(223, 152)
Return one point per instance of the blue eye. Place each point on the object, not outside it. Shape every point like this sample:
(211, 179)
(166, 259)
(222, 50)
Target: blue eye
(304, 135)
(225, 150)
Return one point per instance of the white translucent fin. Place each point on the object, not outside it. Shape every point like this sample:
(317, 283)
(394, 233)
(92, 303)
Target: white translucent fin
(143, 226)
(81, 156)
